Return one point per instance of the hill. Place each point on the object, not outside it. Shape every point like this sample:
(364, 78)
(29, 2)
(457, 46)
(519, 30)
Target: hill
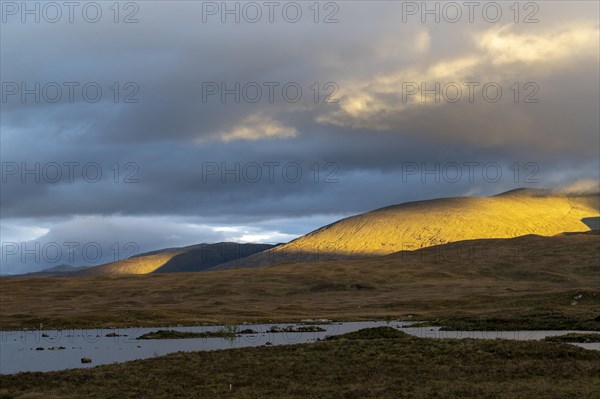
(193, 258)
(62, 270)
(421, 224)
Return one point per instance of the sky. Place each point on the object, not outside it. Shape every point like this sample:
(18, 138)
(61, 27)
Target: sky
(155, 124)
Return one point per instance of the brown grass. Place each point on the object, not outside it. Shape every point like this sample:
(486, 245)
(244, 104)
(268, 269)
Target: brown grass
(551, 282)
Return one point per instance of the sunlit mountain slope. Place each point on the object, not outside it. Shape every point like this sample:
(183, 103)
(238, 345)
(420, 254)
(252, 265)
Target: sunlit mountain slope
(187, 259)
(415, 225)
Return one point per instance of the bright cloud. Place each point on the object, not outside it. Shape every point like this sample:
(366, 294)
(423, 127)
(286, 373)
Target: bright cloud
(567, 44)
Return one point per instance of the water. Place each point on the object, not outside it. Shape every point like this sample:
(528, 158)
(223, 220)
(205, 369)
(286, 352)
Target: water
(18, 348)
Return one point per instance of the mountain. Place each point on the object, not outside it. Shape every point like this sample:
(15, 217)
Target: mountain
(62, 270)
(193, 258)
(414, 225)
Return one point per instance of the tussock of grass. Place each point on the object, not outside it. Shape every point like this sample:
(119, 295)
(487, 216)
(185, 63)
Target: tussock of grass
(299, 329)
(374, 333)
(170, 334)
(575, 338)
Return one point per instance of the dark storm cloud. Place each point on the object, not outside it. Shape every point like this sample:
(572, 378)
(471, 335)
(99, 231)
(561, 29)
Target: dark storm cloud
(158, 155)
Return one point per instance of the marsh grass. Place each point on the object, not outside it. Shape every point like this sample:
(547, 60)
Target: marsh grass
(371, 363)
(171, 334)
(575, 338)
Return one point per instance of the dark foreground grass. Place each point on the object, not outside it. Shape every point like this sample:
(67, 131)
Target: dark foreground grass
(527, 319)
(575, 337)
(374, 363)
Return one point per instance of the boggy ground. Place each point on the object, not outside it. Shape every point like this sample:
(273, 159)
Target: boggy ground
(372, 363)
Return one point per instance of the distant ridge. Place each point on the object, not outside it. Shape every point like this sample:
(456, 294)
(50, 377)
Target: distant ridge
(62, 270)
(193, 258)
(421, 224)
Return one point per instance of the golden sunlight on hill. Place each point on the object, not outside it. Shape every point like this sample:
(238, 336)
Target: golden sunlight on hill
(186, 259)
(139, 265)
(422, 224)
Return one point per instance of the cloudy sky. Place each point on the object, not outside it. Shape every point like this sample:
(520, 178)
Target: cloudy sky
(157, 124)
